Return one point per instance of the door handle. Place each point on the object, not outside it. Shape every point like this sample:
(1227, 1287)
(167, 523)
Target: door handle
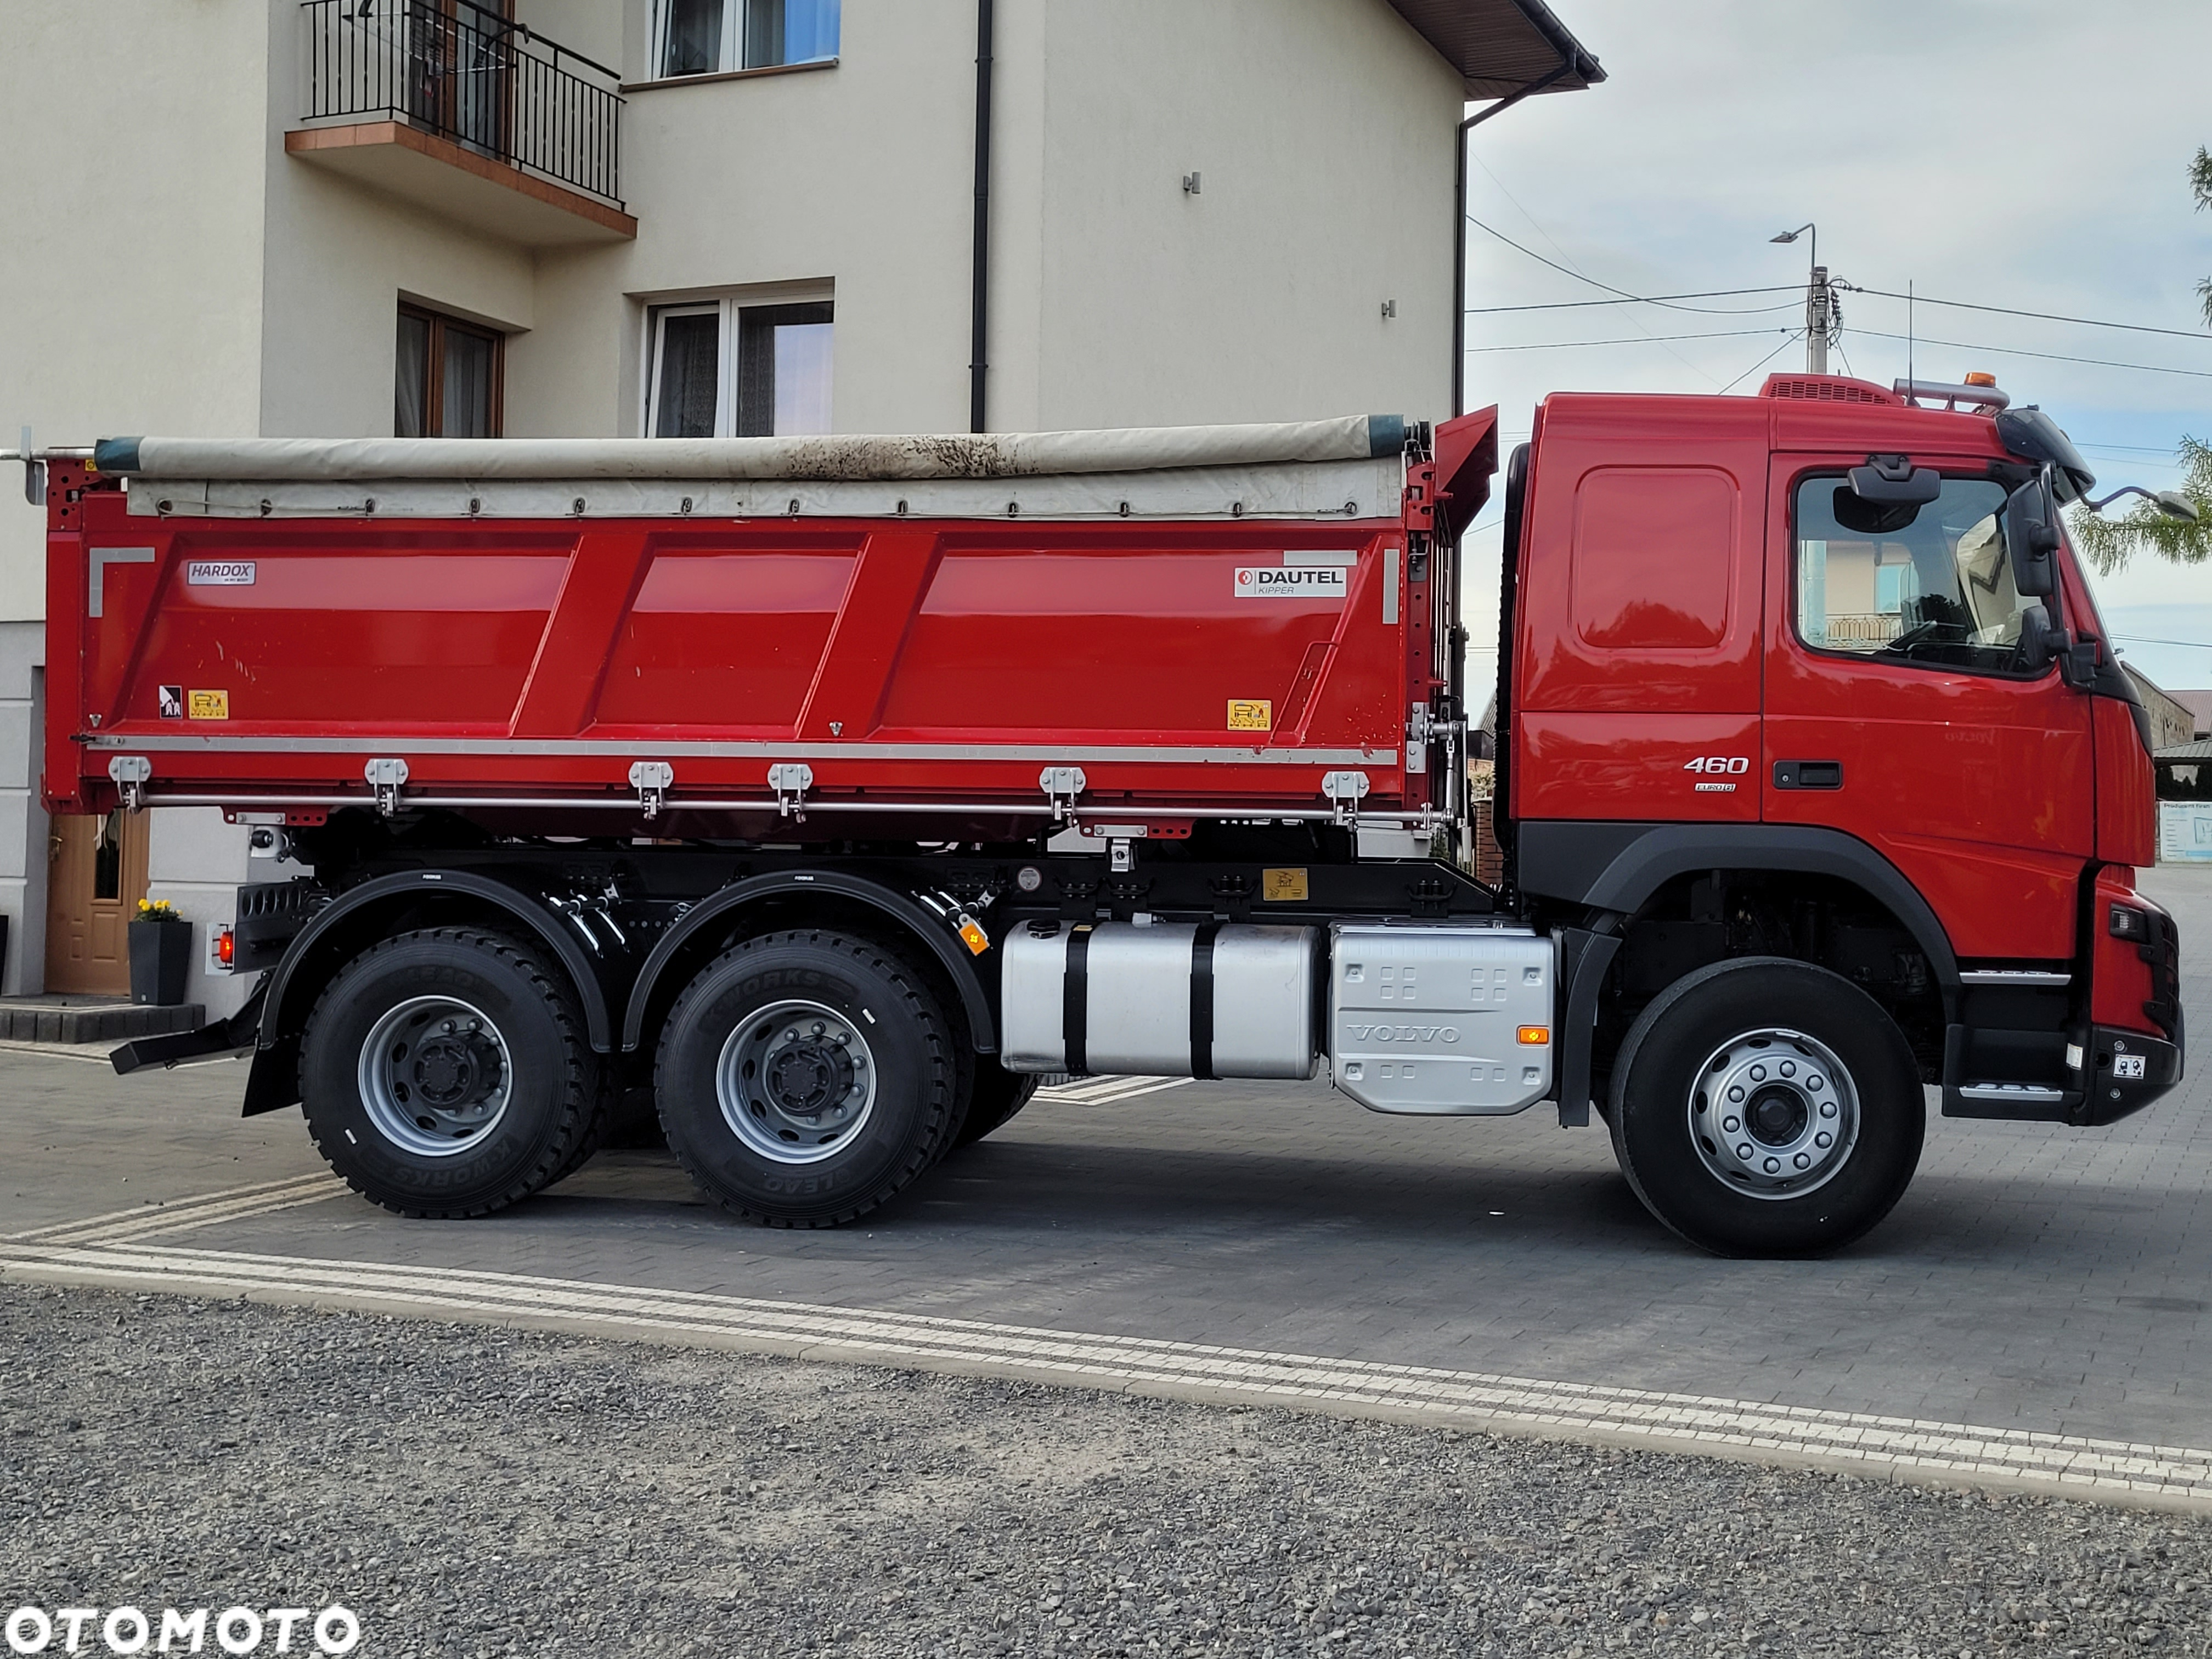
(1809, 774)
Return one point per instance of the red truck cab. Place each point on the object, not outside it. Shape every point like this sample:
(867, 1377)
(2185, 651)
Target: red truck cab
(1750, 710)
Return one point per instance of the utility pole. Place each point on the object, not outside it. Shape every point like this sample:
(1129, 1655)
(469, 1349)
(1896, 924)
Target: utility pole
(1824, 310)
(1818, 299)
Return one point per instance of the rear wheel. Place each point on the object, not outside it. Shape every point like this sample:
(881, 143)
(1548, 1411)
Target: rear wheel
(447, 1073)
(1764, 1107)
(805, 1077)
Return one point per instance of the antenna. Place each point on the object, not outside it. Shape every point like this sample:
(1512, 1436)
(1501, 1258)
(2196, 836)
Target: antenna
(1908, 328)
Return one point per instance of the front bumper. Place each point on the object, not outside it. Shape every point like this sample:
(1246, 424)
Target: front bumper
(2128, 1071)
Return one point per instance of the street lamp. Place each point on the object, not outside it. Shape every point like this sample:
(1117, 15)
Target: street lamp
(1823, 316)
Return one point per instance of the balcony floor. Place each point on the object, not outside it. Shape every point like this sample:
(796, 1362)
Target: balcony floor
(455, 182)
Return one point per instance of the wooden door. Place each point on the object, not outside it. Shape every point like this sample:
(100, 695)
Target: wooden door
(95, 877)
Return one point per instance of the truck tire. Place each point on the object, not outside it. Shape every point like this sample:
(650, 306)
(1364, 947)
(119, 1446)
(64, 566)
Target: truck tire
(997, 1095)
(445, 1074)
(805, 1077)
(1762, 1107)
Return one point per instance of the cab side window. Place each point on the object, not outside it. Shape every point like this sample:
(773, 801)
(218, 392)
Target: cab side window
(1927, 584)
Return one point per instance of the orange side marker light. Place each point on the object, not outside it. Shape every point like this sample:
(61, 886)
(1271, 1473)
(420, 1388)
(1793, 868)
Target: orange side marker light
(1535, 1036)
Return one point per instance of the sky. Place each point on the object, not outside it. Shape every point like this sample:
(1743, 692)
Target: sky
(2026, 153)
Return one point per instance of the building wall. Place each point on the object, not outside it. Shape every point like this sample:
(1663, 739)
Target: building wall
(23, 820)
(1321, 131)
(858, 175)
(132, 256)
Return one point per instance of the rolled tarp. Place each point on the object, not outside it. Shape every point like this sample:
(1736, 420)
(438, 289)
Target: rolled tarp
(851, 457)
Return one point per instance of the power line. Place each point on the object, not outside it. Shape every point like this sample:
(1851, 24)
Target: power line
(1628, 339)
(2043, 316)
(1662, 299)
(1566, 270)
(1795, 334)
(2047, 356)
(2186, 645)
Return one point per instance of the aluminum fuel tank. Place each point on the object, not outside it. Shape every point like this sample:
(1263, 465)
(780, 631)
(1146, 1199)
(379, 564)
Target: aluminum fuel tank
(1170, 999)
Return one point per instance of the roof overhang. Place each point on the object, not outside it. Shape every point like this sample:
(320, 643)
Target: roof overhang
(1499, 46)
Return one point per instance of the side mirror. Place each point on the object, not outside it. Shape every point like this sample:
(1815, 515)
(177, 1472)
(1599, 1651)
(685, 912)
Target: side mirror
(2031, 534)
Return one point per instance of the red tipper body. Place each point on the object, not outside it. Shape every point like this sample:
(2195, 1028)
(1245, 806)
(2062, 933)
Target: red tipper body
(1232, 656)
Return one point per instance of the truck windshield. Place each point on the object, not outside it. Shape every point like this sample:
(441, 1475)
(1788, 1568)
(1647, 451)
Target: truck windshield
(1928, 585)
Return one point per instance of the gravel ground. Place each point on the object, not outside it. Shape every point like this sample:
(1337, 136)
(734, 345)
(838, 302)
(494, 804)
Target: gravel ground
(473, 1491)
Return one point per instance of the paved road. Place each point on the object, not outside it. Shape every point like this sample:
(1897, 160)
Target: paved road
(2034, 1278)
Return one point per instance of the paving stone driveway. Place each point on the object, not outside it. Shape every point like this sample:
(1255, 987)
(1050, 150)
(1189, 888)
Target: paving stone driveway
(2034, 1278)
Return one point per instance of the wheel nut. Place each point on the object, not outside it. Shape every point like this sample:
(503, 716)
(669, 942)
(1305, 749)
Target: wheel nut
(1744, 1152)
(1773, 1165)
(1827, 1108)
(1790, 1068)
(1813, 1079)
(1736, 1093)
(1824, 1140)
(1802, 1161)
(1759, 1074)
(1731, 1124)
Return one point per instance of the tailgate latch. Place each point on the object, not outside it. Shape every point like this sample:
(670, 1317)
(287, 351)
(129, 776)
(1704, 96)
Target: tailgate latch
(791, 779)
(1344, 791)
(1061, 785)
(130, 773)
(653, 779)
(386, 777)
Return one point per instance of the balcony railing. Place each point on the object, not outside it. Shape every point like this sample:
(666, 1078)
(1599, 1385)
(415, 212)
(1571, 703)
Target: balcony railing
(468, 74)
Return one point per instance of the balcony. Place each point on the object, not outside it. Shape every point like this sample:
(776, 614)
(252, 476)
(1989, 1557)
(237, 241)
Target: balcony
(464, 112)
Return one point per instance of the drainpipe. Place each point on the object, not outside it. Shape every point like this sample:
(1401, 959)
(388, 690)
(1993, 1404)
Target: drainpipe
(1567, 66)
(980, 284)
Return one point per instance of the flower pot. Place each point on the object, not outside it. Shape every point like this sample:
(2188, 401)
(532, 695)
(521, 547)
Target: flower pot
(161, 961)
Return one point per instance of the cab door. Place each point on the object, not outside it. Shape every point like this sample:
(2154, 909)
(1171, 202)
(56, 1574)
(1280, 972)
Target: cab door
(1898, 710)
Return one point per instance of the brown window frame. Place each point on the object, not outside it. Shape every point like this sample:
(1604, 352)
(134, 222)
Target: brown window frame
(433, 389)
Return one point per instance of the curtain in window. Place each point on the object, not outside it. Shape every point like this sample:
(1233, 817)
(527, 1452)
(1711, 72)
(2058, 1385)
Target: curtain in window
(783, 370)
(467, 388)
(693, 42)
(410, 416)
(685, 398)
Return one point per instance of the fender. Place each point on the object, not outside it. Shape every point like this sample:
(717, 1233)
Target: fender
(1615, 868)
(1618, 866)
(911, 917)
(519, 902)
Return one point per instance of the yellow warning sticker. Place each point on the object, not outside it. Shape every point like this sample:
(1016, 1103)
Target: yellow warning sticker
(1277, 885)
(208, 705)
(1251, 714)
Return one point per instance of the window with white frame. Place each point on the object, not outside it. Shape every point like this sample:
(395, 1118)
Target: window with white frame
(722, 368)
(718, 37)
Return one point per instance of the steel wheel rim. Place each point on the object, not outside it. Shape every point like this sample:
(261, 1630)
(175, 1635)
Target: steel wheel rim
(796, 1082)
(435, 1076)
(1773, 1114)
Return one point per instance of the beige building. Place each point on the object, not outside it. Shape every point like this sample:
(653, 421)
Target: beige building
(654, 217)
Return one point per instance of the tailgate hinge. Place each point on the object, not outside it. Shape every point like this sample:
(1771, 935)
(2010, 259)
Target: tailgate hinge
(653, 779)
(386, 777)
(130, 773)
(1061, 785)
(791, 779)
(1344, 791)
(1419, 725)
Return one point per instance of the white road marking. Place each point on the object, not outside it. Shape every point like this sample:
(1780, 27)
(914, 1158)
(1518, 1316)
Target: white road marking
(1103, 1090)
(235, 1204)
(1903, 1449)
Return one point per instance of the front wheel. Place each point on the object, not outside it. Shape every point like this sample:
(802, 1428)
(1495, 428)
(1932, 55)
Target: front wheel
(1762, 1107)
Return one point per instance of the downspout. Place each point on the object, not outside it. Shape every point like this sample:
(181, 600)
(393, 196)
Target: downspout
(980, 281)
(1567, 66)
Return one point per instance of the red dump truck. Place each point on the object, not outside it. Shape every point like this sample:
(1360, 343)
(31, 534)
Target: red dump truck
(833, 789)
